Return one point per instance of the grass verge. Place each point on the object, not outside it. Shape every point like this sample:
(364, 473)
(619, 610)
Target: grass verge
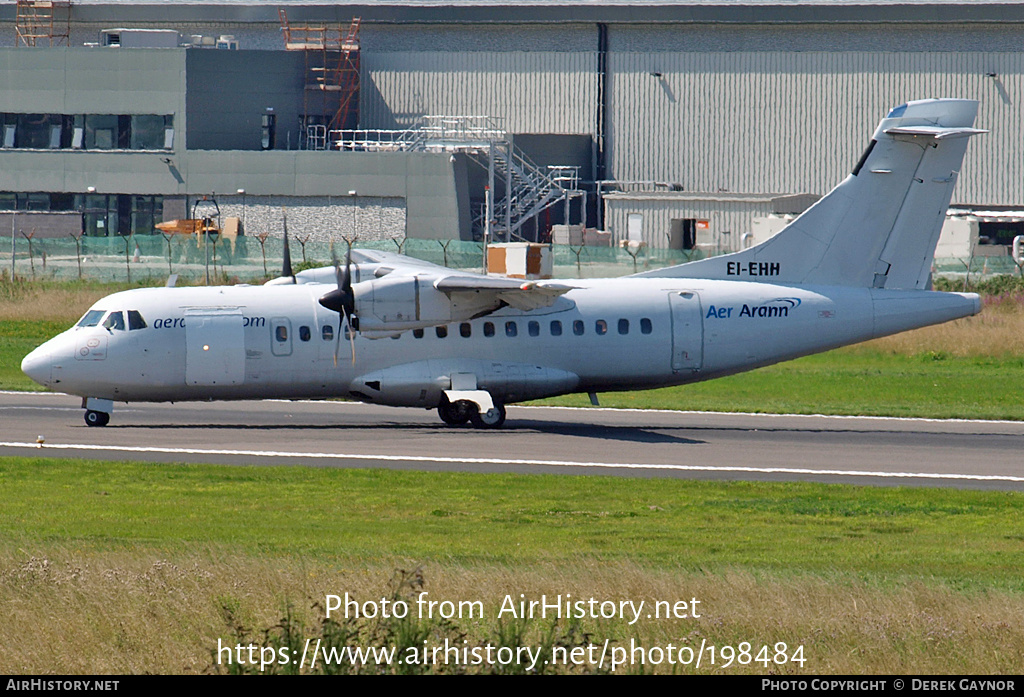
(130, 567)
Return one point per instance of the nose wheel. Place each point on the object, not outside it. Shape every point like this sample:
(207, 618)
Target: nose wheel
(96, 418)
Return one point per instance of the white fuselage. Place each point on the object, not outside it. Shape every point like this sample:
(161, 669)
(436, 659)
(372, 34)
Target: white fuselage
(251, 342)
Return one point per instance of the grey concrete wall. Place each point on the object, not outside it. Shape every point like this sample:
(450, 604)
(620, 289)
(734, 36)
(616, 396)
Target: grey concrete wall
(228, 92)
(40, 225)
(425, 181)
(93, 81)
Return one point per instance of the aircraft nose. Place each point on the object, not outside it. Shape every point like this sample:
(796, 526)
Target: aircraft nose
(37, 365)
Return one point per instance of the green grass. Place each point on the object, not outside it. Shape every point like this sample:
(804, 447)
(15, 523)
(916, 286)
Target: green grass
(17, 338)
(849, 381)
(964, 539)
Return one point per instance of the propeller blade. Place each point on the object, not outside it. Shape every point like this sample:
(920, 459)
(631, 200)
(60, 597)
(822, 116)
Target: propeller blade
(286, 264)
(337, 339)
(351, 338)
(339, 300)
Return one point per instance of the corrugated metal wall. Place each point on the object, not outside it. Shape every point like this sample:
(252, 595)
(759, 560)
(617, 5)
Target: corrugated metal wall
(534, 92)
(797, 122)
(764, 122)
(727, 220)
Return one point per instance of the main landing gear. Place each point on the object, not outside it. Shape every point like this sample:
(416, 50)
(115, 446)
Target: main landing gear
(461, 411)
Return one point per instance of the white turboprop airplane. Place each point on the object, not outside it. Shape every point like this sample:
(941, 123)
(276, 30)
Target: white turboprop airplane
(853, 267)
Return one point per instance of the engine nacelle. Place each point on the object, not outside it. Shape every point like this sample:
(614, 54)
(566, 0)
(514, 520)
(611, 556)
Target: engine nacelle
(399, 303)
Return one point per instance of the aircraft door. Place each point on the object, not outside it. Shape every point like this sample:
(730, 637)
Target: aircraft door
(280, 336)
(687, 331)
(214, 347)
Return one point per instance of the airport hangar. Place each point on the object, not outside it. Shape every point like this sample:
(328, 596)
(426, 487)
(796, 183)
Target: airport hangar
(677, 123)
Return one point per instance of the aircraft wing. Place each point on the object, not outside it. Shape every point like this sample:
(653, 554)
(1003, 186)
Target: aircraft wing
(498, 292)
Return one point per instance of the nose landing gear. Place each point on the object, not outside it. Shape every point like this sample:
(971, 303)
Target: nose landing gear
(96, 418)
(97, 411)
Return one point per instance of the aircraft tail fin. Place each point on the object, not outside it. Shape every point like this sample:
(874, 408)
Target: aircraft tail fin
(879, 227)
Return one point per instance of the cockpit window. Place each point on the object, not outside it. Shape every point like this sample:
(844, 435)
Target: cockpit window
(90, 318)
(115, 320)
(135, 320)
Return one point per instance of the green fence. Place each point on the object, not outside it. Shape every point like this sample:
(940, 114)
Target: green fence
(154, 257)
(148, 257)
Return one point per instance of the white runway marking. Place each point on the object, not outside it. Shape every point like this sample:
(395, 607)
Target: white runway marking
(525, 463)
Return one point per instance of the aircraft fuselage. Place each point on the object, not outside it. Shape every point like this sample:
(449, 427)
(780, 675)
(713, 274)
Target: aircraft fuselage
(254, 342)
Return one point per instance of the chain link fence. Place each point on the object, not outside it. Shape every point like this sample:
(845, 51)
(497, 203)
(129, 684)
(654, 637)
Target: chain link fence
(254, 259)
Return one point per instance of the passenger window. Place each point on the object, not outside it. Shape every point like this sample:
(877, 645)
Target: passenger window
(441, 332)
(465, 330)
(488, 328)
(417, 333)
(556, 328)
(577, 327)
(281, 333)
(601, 327)
(645, 325)
(135, 320)
(304, 333)
(623, 326)
(327, 332)
(115, 320)
(533, 328)
(511, 329)
(90, 318)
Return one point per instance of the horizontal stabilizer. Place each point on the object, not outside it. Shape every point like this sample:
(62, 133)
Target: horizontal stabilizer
(936, 132)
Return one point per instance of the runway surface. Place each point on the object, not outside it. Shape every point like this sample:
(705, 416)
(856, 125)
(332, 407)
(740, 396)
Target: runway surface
(864, 450)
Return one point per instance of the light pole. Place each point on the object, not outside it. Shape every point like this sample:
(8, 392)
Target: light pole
(355, 203)
(241, 192)
(14, 214)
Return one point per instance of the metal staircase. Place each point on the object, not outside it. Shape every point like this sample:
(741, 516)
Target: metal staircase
(528, 189)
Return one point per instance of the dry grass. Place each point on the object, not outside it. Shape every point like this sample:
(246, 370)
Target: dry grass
(119, 613)
(997, 332)
(44, 302)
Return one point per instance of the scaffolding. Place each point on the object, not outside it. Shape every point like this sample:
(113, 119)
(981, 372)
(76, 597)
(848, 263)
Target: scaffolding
(331, 90)
(43, 20)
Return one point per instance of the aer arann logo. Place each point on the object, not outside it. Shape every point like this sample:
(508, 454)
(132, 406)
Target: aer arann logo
(778, 307)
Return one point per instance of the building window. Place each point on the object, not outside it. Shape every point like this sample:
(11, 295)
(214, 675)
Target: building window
(88, 131)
